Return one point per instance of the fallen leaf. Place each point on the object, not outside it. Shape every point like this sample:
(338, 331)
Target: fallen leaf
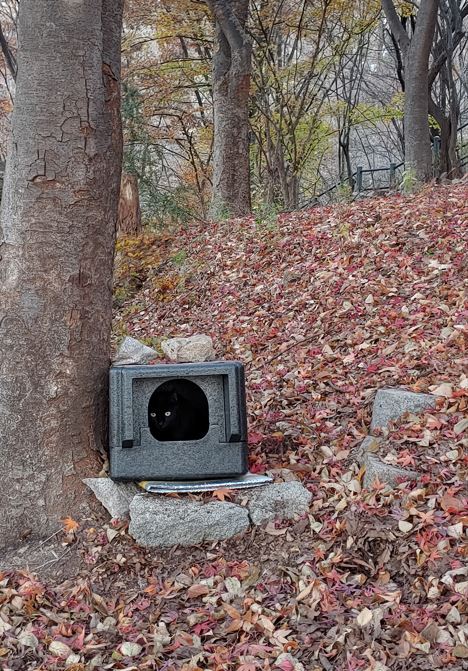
(197, 590)
(455, 530)
(460, 651)
(222, 494)
(59, 649)
(28, 639)
(129, 649)
(111, 534)
(461, 426)
(364, 617)
(444, 390)
(451, 504)
(70, 525)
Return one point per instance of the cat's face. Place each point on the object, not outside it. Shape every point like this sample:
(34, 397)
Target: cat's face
(165, 413)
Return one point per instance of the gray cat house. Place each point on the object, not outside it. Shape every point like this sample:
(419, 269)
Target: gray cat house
(217, 392)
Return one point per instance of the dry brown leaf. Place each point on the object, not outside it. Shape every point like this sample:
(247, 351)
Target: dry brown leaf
(197, 590)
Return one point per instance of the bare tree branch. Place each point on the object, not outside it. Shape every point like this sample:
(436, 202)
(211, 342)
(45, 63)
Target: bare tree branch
(395, 25)
(228, 22)
(10, 60)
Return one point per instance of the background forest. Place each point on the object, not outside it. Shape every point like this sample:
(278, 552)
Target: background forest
(322, 99)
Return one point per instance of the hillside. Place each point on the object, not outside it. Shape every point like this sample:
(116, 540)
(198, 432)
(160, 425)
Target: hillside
(324, 307)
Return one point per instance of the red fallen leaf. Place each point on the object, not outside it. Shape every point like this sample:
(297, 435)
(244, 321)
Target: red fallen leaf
(203, 627)
(258, 468)
(285, 665)
(406, 459)
(255, 437)
(65, 629)
(452, 505)
(78, 640)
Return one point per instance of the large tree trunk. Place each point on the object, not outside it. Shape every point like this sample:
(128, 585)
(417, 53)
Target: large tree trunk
(57, 235)
(418, 154)
(129, 220)
(231, 84)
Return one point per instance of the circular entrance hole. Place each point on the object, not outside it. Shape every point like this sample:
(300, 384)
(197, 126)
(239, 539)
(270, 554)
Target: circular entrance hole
(178, 410)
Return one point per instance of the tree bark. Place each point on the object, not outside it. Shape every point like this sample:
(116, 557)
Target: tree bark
(416, 51)
(231, 84)
(57, 234)
(418, 153)
(129, 221)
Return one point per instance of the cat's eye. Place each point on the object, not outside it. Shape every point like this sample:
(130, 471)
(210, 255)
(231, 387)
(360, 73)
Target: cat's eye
(153, 414)
(167, 413)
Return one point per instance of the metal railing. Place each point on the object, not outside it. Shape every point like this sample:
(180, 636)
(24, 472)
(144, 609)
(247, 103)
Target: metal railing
(462, 148)
(356, 180)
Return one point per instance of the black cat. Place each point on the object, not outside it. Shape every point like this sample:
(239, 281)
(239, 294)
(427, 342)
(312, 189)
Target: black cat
(173, 416)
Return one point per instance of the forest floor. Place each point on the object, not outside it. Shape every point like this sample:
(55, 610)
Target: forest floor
(324, 307)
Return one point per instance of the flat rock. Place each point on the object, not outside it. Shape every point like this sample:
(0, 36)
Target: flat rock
(163, 522)
(376, 469)
(189, 350)
(132, 351)
(391, 404)
(114, 496)
(282, 501)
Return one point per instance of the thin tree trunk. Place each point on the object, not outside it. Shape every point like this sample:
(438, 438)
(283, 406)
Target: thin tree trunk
(129, 220)
(7, 54)
(231, 84)
(56, 246)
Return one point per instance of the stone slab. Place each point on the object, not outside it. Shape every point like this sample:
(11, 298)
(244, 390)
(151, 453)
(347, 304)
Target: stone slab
(132, 351)
(163, 522)
(281, 501)
(390, 404)
(193, 349)
(115, 497)
(376, 469)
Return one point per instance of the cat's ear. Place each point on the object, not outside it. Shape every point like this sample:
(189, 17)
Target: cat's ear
(174, 397)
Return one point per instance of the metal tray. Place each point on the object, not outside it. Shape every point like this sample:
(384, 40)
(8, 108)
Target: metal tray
(242, 482)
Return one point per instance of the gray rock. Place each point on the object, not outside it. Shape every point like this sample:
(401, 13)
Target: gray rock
(376, 469)
(278, 502)
(194, 349)
(162, 522)
(115, 497)
(391, 404)
(133, 351)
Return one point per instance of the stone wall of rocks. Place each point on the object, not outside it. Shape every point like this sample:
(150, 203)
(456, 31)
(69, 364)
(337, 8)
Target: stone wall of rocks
(162, 521)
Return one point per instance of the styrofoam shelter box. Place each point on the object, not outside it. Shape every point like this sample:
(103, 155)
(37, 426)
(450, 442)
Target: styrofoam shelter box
(203, 436)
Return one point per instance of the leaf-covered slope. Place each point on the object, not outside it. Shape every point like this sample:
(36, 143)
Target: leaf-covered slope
(323, 308)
